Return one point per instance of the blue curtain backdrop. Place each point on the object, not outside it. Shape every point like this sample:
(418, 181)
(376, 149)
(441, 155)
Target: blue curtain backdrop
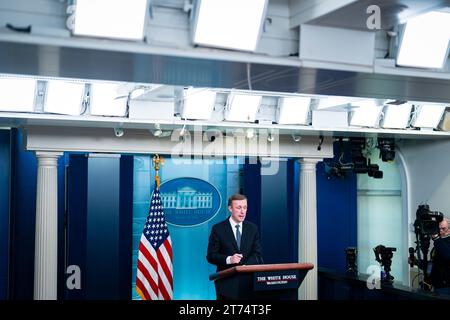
(274, 210)
(276, 213)
(99, 225)
(5, 155)
(336, 213)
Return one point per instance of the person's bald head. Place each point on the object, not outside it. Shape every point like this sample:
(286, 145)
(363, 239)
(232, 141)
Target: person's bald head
(444, 229)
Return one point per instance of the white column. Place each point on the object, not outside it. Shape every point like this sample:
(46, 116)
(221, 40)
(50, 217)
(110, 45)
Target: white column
(307, 230)
(46, 238)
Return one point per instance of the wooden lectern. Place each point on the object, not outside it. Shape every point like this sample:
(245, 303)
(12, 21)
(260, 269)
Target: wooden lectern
(261, 281)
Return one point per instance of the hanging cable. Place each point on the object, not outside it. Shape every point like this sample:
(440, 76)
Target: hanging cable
(249, 80)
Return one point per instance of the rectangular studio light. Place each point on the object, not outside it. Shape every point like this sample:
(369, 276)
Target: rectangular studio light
(366, 114)
(198, 103)
(64, 97)
(17, 95)
(428, 116)
(106, 100)
(396, 116)
(293, 110)
(425, 41)
(445, 124)
(242, 107)
(116, 19)
(230, 24)
(333, 102)
(329, 119)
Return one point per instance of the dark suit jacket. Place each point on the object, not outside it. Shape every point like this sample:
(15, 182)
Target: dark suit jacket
(222, 244)
(440, 272)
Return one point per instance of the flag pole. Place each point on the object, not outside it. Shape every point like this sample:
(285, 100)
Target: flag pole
(157, 161)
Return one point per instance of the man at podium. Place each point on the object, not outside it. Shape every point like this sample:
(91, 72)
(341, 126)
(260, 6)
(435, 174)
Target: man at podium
(235, 248)
(234, 241)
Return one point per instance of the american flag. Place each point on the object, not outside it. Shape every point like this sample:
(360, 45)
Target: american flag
(154, 269)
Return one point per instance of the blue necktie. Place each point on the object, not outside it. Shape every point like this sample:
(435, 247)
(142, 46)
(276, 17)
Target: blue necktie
(238, 236)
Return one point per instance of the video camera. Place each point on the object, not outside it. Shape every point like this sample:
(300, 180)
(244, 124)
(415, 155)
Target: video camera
(387, 149)
(384, 256)
(351, 257)
(372, 170)
(427, 221)
(425, 225)
(356, 161)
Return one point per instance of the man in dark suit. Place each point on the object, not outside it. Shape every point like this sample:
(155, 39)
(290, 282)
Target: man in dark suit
(440, 272)
(234, 241)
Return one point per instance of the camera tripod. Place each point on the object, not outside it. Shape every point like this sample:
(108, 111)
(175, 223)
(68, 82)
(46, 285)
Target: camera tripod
(422, 247)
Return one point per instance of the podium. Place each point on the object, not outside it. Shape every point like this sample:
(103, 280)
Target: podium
(261, 281)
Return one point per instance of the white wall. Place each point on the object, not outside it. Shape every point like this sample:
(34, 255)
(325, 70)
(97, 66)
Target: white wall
(424, 167)
(380, 217)
(427, 164)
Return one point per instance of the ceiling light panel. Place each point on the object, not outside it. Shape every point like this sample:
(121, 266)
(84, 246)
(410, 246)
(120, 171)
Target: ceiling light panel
(116, 19)
(64, 97)
(293, 110)
(17, 95)
(425, 41)
(230, 24)
(366, 114)
(428, 116)
(396, 116)
(242, 107)
(198, 104)
(106, 99)
(335, 103)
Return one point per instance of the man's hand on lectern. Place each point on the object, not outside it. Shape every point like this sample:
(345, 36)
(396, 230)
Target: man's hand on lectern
(236, 258)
